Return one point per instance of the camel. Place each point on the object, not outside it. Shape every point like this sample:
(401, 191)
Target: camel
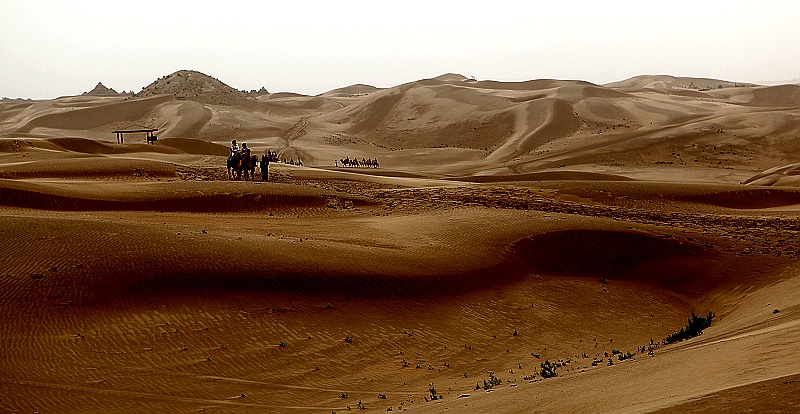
(239, 164)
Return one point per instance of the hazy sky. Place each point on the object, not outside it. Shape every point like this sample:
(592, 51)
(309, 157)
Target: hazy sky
(54, 48)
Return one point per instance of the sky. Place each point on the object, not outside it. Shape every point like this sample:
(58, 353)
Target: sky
(56, 48)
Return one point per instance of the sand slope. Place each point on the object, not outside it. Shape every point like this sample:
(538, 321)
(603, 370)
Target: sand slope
(787, 175)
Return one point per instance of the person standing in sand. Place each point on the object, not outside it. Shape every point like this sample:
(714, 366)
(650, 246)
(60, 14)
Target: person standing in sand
(264, 168)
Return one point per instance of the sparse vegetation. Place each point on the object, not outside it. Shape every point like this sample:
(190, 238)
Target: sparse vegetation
(694, 327)
(348, 339)
(487, 385)
(626, 355)
(548, 369)
(649, 347)
(343, 395)
(434, 395)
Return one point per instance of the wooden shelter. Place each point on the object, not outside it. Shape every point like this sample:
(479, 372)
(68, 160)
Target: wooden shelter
(151, 137)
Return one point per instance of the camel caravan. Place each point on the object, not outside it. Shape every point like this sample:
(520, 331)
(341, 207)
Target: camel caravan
(355, 163)
(242, 163)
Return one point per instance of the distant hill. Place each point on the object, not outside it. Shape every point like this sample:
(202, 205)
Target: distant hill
(357, 89)
(259, 92)
(101, 90)
(673, 82)
(451, 77)
(196, 86)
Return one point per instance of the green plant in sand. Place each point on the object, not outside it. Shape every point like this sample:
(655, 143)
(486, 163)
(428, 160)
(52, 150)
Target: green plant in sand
(694, 327)
(548, 369)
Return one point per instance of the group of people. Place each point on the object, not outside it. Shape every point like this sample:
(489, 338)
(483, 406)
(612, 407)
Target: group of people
(242, 160)
(248, 161)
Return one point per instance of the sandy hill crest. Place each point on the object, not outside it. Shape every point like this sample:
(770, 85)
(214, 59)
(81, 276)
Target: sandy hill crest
(673, 82)
(101, 90)
(451, 77)
(357, 89)
(195, 86)
(786, 175)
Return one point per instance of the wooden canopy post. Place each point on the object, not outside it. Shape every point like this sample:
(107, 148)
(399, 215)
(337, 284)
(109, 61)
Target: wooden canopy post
(149, 134)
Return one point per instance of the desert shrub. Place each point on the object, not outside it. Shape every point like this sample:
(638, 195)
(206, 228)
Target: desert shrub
(434, 395)
(348, 339)
(694, 327)
(282, 344)
(548, 369)
(648, 347)
(626, 355)
(487, 385)
(343, 395)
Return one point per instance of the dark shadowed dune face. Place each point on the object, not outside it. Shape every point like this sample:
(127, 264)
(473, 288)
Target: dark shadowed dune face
(674, 264)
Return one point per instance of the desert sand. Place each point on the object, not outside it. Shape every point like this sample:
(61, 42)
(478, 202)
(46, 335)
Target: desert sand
(508, 224)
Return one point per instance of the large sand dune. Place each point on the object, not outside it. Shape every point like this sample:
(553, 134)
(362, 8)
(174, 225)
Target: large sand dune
(508, 224)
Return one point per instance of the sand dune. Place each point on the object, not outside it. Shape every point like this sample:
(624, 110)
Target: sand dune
(783, 176)
(352, 90)
(508, 127)
(670, 82)
(509, 224)
(189, 298)
(89, 118)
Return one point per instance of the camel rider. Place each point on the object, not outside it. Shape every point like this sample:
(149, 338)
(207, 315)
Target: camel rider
(234, 148)
(245, 151)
